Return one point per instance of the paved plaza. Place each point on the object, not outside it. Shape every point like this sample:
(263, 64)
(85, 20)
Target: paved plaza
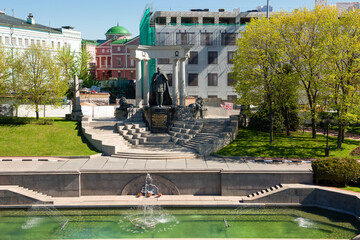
(97, 162)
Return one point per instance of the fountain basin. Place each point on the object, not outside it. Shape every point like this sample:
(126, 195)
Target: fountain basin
(242, 222)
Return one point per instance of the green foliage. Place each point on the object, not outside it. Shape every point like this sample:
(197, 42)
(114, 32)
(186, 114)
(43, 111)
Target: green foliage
(15, 120)
(337, 171)
(40, 78)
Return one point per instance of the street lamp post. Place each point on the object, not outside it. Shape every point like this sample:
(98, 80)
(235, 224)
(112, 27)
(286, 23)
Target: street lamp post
(267, 10)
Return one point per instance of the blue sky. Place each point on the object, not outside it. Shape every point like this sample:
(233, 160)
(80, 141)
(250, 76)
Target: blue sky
(94, 18)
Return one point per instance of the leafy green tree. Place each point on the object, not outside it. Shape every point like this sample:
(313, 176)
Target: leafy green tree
(5, 69)
(83, 58)
(256, 67)
(304, 37)
(343, 64)
(68, 62)
(40, 77)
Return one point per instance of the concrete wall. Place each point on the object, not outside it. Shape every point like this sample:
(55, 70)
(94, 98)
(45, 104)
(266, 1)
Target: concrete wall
(242, 183)
(51, 111)
(11, 198)
(56, 184)
(191, 182)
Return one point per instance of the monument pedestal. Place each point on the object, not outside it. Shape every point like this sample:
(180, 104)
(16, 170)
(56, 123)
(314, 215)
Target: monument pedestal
(159, 119)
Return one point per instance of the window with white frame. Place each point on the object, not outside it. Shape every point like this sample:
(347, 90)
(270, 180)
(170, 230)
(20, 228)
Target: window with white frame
(13, 41)
(7, 40)
(20, 41)
(119, 61)
(119, 49)
(26, 42)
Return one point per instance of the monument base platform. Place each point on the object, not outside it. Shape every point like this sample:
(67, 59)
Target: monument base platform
(159, 119)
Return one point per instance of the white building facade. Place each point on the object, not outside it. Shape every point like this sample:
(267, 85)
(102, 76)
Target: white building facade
(19, 34)
(212, 36)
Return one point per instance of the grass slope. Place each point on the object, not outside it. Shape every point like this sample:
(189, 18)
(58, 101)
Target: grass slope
(299, 145)
(62, 138)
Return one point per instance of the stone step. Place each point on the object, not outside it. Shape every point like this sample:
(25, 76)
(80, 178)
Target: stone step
(28, 193)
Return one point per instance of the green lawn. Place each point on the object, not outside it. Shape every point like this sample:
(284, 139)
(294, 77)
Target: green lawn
(354, 189)
(62, 138)
(300, 145)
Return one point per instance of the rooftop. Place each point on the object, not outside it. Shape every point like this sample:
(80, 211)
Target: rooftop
(9, 21)
(117, 30)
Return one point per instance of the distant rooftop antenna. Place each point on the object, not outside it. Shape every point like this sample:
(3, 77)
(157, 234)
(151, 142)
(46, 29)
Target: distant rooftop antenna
(321, 2)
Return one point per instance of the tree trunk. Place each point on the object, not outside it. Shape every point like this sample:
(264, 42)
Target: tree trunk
(313, 123)
(287, 121)
(340, 134)
(37, 111)
(271, 125)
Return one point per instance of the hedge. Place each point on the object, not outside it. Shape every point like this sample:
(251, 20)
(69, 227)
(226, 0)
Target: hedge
(336, 171)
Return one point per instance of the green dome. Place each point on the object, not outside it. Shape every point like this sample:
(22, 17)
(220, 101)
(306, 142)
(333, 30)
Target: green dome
(117, 30)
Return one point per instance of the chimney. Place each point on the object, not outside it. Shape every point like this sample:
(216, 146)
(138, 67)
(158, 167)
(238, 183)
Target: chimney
(30, 19)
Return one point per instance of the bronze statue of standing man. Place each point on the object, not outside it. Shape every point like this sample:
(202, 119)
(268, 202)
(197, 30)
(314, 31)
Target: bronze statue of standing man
(159, 94)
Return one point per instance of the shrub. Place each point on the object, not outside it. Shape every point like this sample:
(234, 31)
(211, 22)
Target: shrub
(15, 120)
(336, 171)
(355, 152)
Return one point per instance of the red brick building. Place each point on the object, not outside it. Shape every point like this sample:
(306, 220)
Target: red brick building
(113, 57)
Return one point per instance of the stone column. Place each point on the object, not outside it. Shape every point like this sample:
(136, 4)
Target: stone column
(76, 101)
(182, 82)
(146, 82)
(175, 81)
(76, 112)
(138, 87)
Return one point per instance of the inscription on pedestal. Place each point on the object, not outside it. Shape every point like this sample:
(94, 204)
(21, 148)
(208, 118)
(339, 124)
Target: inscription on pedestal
(159, 120)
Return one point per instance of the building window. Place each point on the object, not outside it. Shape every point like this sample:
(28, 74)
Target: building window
(173, 20)
(228, 39)
(118, 61)
(232, 98)
(13, 41)
(230, 80)
(132, 74)
(185, 38)
(160, 20)
(193, 79)
(103, 50)
(32, 42)
(193, 59)
(119, 74)
(7, 40)
(212, 79)
(38, 42)
(1, 40)
(169, 76)
(119, 49)
(208, 20)
(43, 42)
(132, 62)
(52, 44)
(206, 39)
(20, 41)
(212, 57)
(26, 42)
(230, 57)
(163, 61)
(163, 38)
(212, 96)
(59, 44)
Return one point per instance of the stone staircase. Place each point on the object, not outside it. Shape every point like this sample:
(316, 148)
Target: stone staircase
(137, 133)
(103, 135)
(265, 192)
(161, 154)
(182, 132)
(34, 195)
(211, 130)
